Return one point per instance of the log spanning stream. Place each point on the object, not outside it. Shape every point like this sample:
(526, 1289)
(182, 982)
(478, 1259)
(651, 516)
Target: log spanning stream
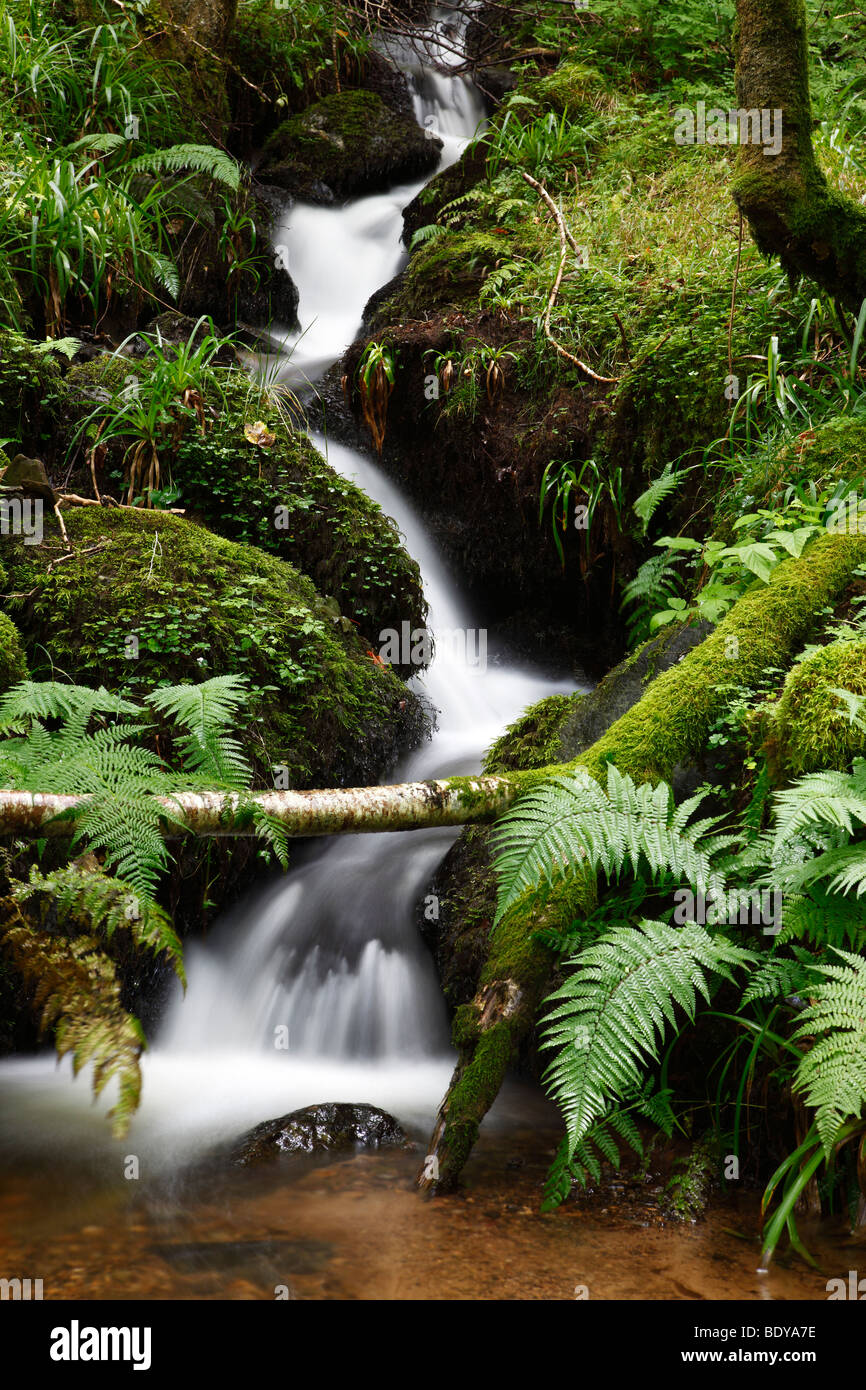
(317, 988)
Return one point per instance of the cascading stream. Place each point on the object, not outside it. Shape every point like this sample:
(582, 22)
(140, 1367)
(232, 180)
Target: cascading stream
(318, 987)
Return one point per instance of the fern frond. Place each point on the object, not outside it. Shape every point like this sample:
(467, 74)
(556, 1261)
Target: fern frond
(836, 799)
(646, 505)
(824, 917)
(204, 159)
(431, 232)
(584, 1162)
(98, 904)
(571, 823)
(75, 990)
(779, 977)
(614, 1010)
(55, 700)
(832, 1074)
(206, 711)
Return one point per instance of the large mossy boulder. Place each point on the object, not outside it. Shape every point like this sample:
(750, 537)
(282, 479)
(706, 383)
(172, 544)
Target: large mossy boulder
(347, 144)
(280, 494)
(149, 598)
(286, 499)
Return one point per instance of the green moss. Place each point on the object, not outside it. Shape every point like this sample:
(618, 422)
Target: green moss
(687, 1193)
(287, 500)
(575, 89)
(349, 141)
(13, 664)
(446, 273)
(32, 393)
(810, 722)
(533, 739)
(472, 1096)
(284, 499)
(152, 599)
(768, 624)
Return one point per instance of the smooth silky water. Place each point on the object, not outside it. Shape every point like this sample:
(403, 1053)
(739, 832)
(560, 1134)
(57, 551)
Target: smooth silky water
(329, 961)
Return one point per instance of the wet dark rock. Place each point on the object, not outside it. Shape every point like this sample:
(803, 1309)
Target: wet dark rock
(331, 1128)
(347, 144)
(495, 83)
(28, 477)
(205, 288)
(451, 183)
(175, 330)
(389, 83)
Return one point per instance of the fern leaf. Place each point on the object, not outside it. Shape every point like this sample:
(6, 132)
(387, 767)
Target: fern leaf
(204, 159)
(613, 1011)
(832, 1075)
(75, 990)
(206, 711)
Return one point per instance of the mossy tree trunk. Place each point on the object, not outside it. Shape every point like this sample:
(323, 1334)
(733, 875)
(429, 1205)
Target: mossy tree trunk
(792, 211)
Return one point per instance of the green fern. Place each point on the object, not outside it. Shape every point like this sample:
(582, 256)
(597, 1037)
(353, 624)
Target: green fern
(126, 786)
(205, 711)
(204, 159)
(583, 1162)
(75, 989)
(655, 584)
(613, 1011)
(781, 977)
(424, 235)
(571, 825)
(832, 1075)
(661, 487)
(102, 905)
(824, 918)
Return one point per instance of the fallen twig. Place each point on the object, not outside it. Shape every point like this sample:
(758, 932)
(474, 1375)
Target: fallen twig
(565, 240)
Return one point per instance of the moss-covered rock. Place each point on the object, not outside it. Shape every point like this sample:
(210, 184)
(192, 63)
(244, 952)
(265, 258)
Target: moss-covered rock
(344, 145)
(283, 497)
(150, 598)
(810, 725)
(533, 740)
(288, 500)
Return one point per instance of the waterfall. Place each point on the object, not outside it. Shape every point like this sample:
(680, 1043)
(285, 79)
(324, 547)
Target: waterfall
(318, 987)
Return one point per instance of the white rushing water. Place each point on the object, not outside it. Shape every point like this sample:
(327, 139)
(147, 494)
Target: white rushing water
(318, 987)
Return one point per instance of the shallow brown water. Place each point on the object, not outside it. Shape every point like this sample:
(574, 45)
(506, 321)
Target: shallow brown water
(357, 1229)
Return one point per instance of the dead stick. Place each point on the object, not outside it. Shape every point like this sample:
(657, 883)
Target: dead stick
(565, 239)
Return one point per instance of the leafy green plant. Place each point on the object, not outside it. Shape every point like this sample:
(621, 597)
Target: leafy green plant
(545, 144)
(563, 483)
(631, 985)
(375, 376)
(153, 410)
(81, 221)
(72, 739)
